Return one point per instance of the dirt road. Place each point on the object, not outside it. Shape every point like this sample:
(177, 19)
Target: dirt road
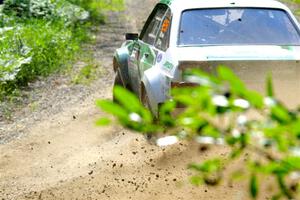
(62, 155)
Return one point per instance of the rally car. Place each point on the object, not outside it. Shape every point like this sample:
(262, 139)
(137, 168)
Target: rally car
(253, 37)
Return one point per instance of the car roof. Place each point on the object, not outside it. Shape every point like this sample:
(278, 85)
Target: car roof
(180, 5)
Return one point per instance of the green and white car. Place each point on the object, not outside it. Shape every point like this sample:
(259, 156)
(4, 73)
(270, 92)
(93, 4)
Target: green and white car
(253, 37)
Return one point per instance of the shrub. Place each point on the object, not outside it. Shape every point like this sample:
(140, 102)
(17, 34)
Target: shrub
(70, 13)
(46, 9)
(38, 37)
(95, 6)
(36, 48)
(52, 45)
(16, 7)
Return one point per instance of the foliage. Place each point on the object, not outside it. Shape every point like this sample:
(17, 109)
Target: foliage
(16, 7)
(38, 37)
(70, 13)
(130, 112)
(86, 74)
(67, 9)
(94, 6)
(223, 111)
(29, 8)
(35, 48)
(47, 9)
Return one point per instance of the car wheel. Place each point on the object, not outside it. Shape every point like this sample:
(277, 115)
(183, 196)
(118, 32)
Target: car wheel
(146, 103)
(117, 82)
(145, 99)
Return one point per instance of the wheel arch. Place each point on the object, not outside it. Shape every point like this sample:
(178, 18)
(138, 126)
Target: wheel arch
(151, 83)
(120, 64)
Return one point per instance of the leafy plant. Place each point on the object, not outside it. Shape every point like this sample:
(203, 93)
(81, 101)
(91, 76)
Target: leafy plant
(46, 9)
(39, 37)
(35, 49)
(16, 7)
(86, 74)
(70, 13)
(95, 6)
(223, 111)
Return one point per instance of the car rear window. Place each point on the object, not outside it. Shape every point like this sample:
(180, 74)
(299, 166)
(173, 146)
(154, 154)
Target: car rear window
(240, 26)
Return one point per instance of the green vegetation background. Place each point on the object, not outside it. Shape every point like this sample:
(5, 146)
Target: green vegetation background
(39, 37)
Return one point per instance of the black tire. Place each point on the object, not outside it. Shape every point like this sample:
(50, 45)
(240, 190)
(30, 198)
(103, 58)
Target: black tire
(117, 82)
(145, 99)
(150, 137)
(146, 103)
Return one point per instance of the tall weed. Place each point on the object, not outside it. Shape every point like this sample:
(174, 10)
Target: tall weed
(52, 44)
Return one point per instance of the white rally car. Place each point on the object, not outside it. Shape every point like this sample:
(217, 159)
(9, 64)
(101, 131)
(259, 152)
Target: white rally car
(253, 37)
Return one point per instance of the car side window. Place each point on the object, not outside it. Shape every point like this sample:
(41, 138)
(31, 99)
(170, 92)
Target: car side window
(153, 24)
(162, 41)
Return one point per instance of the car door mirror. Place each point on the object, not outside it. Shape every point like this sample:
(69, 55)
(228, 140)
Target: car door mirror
(131, 36)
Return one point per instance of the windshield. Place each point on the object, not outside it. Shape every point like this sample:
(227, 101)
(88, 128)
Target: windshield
(242, 26)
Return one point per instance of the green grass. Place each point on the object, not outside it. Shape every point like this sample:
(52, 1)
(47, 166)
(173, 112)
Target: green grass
(37, 42)
(36, 48)
(94, 6)
(86, 74)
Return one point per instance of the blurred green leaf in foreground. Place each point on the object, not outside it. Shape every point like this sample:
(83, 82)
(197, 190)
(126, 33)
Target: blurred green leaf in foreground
(261, 128)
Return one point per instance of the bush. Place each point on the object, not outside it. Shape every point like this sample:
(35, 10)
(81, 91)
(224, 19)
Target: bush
(16, 7)
(46, 9)
(14, 54)
(36, 48)
(52, 45)
(95, 6)
(38, 37)
(71, 14)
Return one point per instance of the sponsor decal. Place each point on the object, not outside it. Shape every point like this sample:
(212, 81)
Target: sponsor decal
(159, 58)
(169, 66)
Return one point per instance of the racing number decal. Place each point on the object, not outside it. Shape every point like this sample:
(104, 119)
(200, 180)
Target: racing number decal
(162, 34)
(165, 25)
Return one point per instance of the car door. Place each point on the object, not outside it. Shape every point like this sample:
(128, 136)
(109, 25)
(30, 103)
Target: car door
(150, 51)
(144, 52)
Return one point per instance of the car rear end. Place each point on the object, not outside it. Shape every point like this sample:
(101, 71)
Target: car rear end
(253, 42)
